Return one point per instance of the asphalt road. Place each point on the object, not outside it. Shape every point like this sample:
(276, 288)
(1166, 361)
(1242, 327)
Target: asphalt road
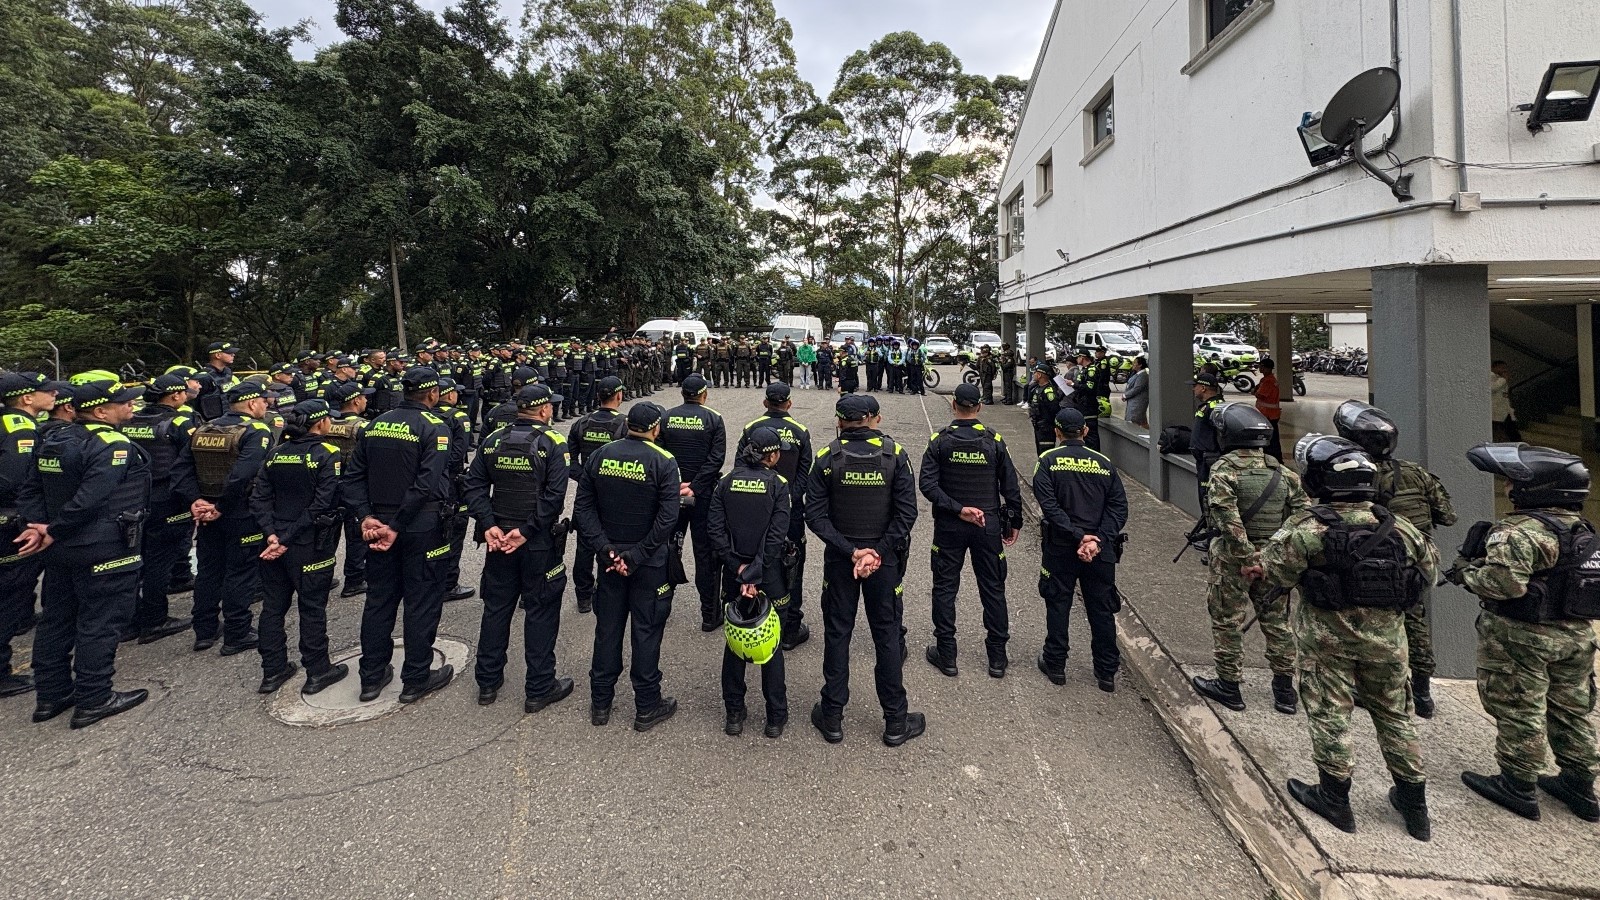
(1019, 788)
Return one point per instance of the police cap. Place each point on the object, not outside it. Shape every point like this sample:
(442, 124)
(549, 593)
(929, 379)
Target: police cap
(20, 384)
(778, 392)
(228, 347)
(310, 411)
(97, 387)
(524, 375)
(63, 392)
(342, 392)
(1209, 380)
(608, 386)
(855, 407)
(244, 391)
(419, 378)
(536, 395)
(167, 385)
(1069, 420)
(765, 440)
(644, 416)
(693, 386)
(967, 395)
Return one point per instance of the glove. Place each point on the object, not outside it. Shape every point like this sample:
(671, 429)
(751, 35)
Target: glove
(1457, 573)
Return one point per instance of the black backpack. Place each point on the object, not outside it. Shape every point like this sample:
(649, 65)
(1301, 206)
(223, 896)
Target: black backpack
(1173, 439)
(1568, 590)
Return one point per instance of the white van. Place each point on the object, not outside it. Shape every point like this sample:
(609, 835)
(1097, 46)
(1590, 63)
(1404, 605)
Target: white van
(848, 329)
(656, 329)
(796, 328)
(1116, 337)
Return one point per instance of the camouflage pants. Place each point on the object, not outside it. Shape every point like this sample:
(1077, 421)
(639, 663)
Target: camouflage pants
(1347, 655)
(1538, 682)
(1230, 600)
(1419, 640)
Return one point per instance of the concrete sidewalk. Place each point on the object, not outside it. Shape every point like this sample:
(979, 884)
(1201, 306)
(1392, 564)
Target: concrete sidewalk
(1242, 759)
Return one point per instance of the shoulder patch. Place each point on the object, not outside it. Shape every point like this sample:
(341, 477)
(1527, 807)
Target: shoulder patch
(331, 448)
(431, 418)
(257, 423)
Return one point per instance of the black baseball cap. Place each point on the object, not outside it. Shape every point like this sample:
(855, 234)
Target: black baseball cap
(20, 384)
(1209, 381)
(245, 391)
(967, 395)
(222, 347)
(765, 440)
(1069, 419)
(446, 385)
(644, 416)
(524, 374)
(166, 385)
(855, 407)
(778, 392)
(693, 386)
(312, 410)
(1045, 368)
(97, 387)
(535, 395)
(419, 378)
(64, 393)
(608, 386)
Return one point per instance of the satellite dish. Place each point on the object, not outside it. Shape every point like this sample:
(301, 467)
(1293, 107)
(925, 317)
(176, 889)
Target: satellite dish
(1354, 111)
(1360, 105)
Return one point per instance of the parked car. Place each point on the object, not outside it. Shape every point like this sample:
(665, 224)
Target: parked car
(981, 339)
(940, 349)
(1224, 348)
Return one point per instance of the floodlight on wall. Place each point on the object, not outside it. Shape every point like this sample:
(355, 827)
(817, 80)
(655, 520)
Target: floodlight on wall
(1364, 102)
(1063, 255)
(1566, 94)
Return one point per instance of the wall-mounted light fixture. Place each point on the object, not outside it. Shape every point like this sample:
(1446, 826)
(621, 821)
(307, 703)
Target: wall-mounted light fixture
(1566, 94)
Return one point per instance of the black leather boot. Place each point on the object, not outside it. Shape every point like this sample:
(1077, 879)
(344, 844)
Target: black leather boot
(1422, 695)
(1576, 791)
(1506, 790)
(1411, 799)
(1284, 699)
(1221, 690)
(1330, 799)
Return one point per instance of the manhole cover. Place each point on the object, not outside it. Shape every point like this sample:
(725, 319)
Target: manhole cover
(341, 704)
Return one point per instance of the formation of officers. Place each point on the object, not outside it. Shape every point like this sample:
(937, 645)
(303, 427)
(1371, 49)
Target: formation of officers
(1352, 530)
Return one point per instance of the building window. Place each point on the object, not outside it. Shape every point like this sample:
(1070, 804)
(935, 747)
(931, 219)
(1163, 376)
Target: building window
(1099, 123)
(1221, 13)
(1047, 179)
(1102, 118)
(1012, 225)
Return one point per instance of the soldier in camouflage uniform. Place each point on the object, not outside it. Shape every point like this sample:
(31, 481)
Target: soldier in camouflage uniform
(1415, 494)
(1536, 653)
(1250, 496)
(1349, 626)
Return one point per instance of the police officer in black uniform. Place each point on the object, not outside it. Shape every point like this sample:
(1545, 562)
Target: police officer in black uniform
(297, 503)
(749, 525)
(505, 412)
(862, 504)
(1084, 508)
(398, 483)
(626, 508)
(516, 490)
(455, 418)
(968, 476)
(27, 396)
(348, 402)
(794, 464)
(162, 430)
(1044, 401)
(85, 499)
(588, 434)
(1085, 398)
(1203, 440)
(696, 436)
(216, 472)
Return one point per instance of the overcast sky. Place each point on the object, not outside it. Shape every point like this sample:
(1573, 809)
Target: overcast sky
(990, 38)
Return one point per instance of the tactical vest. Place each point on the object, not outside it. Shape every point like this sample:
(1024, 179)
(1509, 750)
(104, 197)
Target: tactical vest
(516, 492)
(215, 449)
(128, 496)
(1409, 503)
(1568, 590)
(152, 431)
(382, 398)
(344, 432)
(861, 485)
(596, 433)
(742, 351)
(748, 506)
(1364, 566)
(967, 462)
(1251, 483)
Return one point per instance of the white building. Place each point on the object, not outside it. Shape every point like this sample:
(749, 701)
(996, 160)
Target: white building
(1158, 168)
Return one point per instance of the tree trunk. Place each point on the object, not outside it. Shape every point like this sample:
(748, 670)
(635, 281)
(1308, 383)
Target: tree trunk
(316, 332)
(394, 285)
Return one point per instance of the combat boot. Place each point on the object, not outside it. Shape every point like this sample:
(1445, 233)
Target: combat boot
(1330, 799)
(1221, 690)
(1411, 799)
(1508, 791)
(1422, 695)
(1283, 695)
(1576, 791)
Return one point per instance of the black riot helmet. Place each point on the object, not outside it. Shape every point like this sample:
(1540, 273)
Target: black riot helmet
(1241, 427)
(1368, 426)
(1334, 469)
(1540, 476)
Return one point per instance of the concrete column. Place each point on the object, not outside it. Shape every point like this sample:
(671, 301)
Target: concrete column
(1431, 331)
(1036, 334)
(1008, 328)
(1587, 333)
(1171, 375)
(1280, 343)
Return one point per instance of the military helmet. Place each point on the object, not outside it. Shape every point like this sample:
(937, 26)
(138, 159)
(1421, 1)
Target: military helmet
(1539, 476)
(1335, 469)
(1241, 426)
(1368, 426)
(752, 629)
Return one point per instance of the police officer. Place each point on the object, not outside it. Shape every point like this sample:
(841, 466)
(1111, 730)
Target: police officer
(1536, 642)
(1008, 374)
(916, 363)
(626, 508)
(215, 473)
(84, 499)
(764, 360)
(26, 397)
(988, 368)
(1084, 508)
(216, 378)
(794, 464)
(398, 483)
(787, 355)
(505, 412)
(1044, 402)
(588, 434)
(1203, 441)
(721, 363)
(349, 402)
(968, 476)
(296, 503)
(848, 365)
(825, 367)
(1405, 489)
(896, 360)
(1350, 625)
(162, 430)
(862, 503)
(696, 436)
(1250, 497)
(516, 491)
(460, 447)
(748, 523)
(744, 363)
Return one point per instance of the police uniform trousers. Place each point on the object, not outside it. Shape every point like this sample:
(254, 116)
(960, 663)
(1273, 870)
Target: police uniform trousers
(1358, 653)
(304, 573)
(469, 402)
(355, 553)
(987, 393)
(1061, 573)
(723, 372)
(1538, 682)
(164, 531)
(692, 529)
(569, 398)
(953, 540)
(874, 376)
(764, 370)
(824, 374)
(227, 577)
(535, 579)
(773, 687)
(849, 380)
(896, 378)
(793, 613)
(410, 574)
(584, 567)
(638, 603)
(1044, 436)
(183, 567)
(450, 569)
(89, 599)
(1008, 391)
(842, 595)
(19, 580)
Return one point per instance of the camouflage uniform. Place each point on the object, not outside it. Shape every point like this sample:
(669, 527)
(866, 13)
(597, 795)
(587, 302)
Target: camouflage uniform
(1418, 496)
(1237, 480)
(1536, 680)
(1350, 654)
